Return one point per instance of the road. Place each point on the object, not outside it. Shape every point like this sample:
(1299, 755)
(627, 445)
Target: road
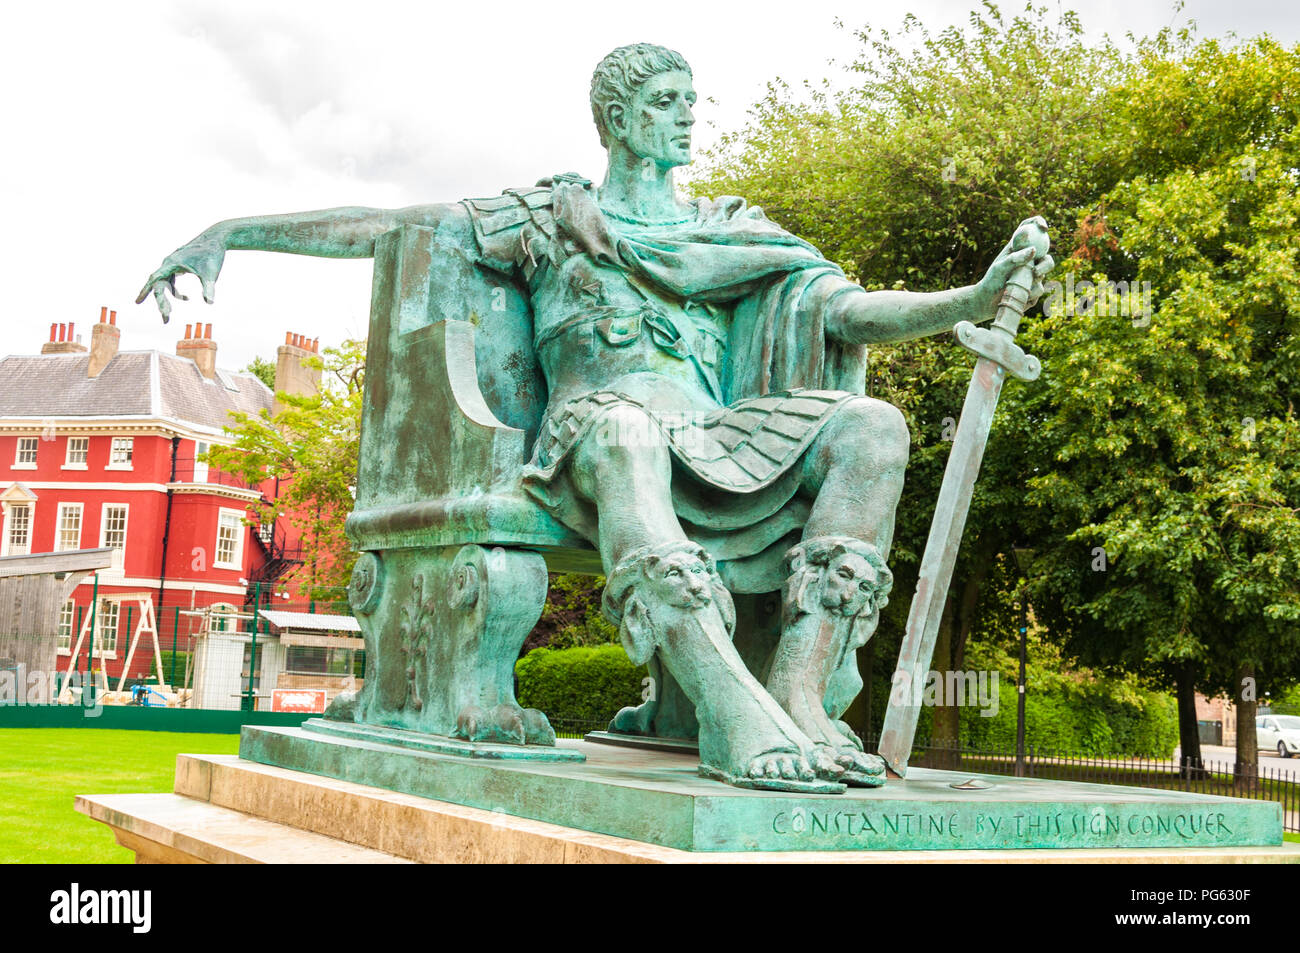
(1224, 755)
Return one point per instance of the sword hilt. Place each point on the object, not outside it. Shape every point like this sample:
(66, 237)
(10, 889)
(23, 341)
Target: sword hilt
(1032, 233)
(998, 343)
(999, 349)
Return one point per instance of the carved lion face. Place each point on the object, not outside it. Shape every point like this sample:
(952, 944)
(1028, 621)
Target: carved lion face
(682, 580)
(848, 585)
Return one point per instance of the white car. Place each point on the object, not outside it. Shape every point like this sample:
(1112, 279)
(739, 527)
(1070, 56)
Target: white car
(1279, 731)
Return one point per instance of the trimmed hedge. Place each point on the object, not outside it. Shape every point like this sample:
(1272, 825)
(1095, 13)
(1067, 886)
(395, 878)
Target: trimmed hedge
(1100, 717)
(1093, 718)
(586, 683)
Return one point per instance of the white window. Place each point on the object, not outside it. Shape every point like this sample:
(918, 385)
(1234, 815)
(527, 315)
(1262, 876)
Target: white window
(18, 530)
(78, 450)
(230, 540)
(112, 526)
(67, 618)
(200, 466)
(25, 459)
(69, 527)
(119, 457)
(106, 628)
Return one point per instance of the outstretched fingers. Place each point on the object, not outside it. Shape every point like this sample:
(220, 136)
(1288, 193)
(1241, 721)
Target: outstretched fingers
(160, 298)
(160, 282)
(1041, 269)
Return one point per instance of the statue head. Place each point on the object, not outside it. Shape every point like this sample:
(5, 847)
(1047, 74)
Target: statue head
(657, 582)
(845, 576)
(641, 97)
(681, 579)
(850, 582)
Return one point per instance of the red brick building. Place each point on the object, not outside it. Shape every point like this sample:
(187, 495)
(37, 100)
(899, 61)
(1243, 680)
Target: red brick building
(101, 447)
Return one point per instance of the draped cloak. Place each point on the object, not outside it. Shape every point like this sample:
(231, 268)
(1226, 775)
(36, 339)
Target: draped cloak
(770, 384)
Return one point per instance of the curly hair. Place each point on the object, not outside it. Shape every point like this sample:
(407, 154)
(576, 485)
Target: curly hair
(622, 71)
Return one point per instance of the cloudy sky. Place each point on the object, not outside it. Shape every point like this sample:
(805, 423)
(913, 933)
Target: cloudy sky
(130, 127)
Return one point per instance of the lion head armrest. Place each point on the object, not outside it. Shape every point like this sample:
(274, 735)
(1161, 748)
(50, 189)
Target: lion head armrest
(453, 399)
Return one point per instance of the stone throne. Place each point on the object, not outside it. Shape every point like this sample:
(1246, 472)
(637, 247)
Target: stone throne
(454, 553)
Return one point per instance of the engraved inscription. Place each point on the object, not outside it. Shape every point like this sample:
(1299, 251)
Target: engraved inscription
(1000, 827)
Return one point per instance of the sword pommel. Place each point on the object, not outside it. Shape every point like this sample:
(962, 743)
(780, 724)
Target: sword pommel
(1032, 233)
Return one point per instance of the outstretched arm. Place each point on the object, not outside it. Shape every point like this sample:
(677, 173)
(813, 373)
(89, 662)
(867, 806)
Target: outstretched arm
(329, 233)
(882, 317)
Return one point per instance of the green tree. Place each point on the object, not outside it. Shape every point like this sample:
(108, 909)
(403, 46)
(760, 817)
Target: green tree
(311, 446)
(914, 175)
(1171, 415)
(263, 370)
(1168, 162)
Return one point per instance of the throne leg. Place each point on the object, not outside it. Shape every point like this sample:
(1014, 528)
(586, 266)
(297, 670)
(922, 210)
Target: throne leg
(443, 627)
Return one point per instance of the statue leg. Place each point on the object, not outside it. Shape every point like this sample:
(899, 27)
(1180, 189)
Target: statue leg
(669, 603)
(838, 578)
(854, 472)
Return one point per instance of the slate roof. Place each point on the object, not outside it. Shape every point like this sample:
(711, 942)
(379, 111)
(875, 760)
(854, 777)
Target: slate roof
(134, 383)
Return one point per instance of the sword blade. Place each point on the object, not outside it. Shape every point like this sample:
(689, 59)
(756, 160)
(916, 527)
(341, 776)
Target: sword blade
(937, 564)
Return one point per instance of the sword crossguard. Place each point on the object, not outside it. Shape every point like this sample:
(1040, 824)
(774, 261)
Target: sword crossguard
(1000, 349)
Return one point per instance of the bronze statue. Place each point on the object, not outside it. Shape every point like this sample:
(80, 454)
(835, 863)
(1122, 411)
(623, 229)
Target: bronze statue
(705, 428)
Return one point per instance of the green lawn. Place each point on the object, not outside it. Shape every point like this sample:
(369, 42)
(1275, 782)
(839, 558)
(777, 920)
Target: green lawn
(41, 769)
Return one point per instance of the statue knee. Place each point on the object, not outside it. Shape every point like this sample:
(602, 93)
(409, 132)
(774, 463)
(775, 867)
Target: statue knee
(624, 444)
(872, 432)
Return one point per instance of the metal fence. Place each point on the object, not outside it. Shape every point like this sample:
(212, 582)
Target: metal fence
(1264, 781)
(205, 653)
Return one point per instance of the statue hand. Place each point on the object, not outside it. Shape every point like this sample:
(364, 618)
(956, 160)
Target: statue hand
(1008, 260)
(202, 257)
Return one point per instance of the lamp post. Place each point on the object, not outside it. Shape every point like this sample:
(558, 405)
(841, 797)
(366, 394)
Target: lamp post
(1023, 559)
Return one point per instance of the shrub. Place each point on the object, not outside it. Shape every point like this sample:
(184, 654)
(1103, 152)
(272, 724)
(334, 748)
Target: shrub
(572, 616)
(1101, 717)
(587, 683)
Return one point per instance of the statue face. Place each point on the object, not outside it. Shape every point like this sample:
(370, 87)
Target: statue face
(657, 123)
(848, 584)
(682, 580)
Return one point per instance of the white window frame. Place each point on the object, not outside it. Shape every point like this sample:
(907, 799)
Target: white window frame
(67, 622)
(35, 445)
(58, 525)
(68, 462)
(6, 543)
(112, 453)
(126, 524)
(101, 640)
(200, 469)
(238, 561)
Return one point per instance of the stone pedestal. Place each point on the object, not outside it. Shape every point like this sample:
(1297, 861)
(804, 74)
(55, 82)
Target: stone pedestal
(228, 809)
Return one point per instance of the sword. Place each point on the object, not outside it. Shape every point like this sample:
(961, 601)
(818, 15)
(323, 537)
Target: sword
(999, 355)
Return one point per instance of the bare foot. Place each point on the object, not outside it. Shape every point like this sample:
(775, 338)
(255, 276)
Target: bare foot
(860, 762)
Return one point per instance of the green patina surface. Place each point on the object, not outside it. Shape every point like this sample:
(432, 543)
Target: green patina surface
(613, 377)
(658, 798)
